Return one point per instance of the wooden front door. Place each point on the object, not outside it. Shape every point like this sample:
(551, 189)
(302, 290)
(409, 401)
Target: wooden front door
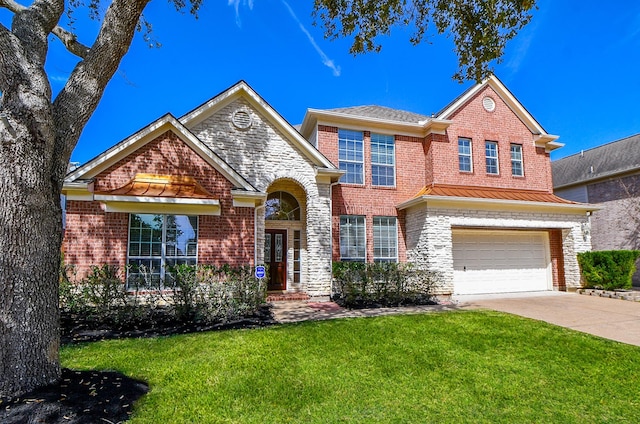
(275, 256)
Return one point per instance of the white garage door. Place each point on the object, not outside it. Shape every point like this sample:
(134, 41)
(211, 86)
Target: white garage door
(486, 261)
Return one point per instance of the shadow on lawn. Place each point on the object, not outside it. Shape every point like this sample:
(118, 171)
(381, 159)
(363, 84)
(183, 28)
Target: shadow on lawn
(103, 396)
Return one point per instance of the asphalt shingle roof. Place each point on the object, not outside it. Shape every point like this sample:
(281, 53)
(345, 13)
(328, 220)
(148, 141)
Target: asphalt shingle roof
(381, 112)
(610, 159)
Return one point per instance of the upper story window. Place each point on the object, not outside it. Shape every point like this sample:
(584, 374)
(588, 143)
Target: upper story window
(516, 160)
(351, 156)
(383, 160)
(282, 206)
(491, 155)
(464, 155)
(353, 245)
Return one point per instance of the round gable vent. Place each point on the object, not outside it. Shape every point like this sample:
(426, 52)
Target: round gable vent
(489, 104)
(241, 120)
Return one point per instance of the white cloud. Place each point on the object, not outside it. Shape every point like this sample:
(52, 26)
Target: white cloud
(325, 59)
(236, 5)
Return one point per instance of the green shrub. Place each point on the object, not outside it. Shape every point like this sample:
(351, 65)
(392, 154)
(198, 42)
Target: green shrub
(608, 270)
(358, 284)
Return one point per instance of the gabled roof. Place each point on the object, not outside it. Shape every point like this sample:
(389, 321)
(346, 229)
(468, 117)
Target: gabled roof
(147, 134)
(544, 139)
(618, 157)
(243, 90)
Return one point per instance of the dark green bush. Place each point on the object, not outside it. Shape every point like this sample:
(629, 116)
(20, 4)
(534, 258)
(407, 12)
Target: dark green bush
(608, 270)
(358, 284)
(203, 294)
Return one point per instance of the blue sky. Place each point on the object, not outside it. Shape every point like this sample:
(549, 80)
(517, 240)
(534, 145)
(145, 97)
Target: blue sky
(574, 67)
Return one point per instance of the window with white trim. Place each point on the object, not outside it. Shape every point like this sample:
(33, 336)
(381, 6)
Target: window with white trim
(351, 156)
(353, 245)
(491, 155)
(383, 159)
(157, 242)
(464, 155)
(517, 169)
(385, 239)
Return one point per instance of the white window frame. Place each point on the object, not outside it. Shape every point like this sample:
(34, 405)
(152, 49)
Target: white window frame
(350, 157)
(519, 161)
(350, 242)
(390, 241)
(379, 141)
(159, 276)
(465, 155)
(489, 158)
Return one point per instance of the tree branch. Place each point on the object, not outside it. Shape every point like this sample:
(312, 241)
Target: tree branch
(79, 98)
(68, 39)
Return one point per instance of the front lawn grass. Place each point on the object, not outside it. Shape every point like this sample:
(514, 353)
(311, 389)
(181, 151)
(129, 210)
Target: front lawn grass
(468, 366)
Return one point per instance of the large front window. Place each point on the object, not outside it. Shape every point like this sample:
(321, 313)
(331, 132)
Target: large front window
(351, 156)
(353, 245)
(157, 242)
(385, 239)
(383, 160)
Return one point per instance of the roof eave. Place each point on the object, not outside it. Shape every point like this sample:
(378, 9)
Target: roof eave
(573, 208)
(314, 117)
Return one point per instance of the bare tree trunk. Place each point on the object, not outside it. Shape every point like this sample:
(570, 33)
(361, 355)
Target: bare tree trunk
(30, 238)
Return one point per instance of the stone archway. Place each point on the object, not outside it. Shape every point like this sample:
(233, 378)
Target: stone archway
(285, 215)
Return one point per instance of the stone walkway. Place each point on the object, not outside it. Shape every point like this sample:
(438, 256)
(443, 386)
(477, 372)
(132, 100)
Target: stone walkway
(320, 309)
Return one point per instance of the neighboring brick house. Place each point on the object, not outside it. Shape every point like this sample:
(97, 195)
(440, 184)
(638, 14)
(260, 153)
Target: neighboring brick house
(608, 176)
(466, 192)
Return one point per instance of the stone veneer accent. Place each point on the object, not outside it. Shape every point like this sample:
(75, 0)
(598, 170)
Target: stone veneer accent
(264, 156)
(429, 237)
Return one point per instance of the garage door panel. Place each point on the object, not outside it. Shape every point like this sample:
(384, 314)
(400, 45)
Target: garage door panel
(488, 261)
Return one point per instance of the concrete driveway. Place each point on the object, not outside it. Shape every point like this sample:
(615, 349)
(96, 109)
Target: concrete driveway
(609, 318)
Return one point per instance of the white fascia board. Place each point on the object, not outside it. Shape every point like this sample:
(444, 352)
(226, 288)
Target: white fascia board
(328, 176)
(354, 122)
(170, 205)
(243, 90)
(78, 190)
(498, 204)
(244, 199)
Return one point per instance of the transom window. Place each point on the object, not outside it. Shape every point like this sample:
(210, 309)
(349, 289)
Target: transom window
(383, 160)
(282, 206)
(464, 155)
(385, 239)
(353, 245)
(491, 154)
(157, 242)
(351, 156)
(516, 160)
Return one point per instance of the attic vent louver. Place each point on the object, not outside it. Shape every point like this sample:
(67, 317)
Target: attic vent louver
(241, 120)
(489, 104)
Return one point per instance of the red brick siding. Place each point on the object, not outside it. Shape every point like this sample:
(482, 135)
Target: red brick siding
(502, 126)
(94, 237)
(369, 200)
(557, 259)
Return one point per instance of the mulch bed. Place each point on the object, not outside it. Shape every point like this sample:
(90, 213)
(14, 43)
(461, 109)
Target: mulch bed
(102, 396)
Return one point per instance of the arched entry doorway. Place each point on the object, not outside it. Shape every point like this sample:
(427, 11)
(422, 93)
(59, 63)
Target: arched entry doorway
(284, 230)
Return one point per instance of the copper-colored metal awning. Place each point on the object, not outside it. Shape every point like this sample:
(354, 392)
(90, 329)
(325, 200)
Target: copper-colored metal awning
(152, 185)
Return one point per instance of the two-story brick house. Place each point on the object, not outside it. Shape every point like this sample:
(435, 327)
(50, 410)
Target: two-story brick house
(466, 192)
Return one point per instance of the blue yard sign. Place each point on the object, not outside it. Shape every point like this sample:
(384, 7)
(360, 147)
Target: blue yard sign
(260, 271)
